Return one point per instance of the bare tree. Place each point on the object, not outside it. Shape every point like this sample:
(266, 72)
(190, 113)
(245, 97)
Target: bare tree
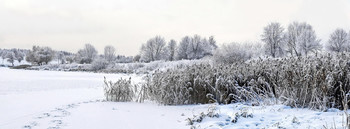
(44, 55)
(308, 41)
(60, 57)
(291, 38)
(109, 53)
(212, 42)
(11, 57)
(182, 51)
(211, 46)
(31, 57)
(153, 50)
(195, 47)
(338, 41)
(86, 55)
(20, 56)
(273, 38)
(301, 39)
(172, 49)
(137, 58)
(70, 58)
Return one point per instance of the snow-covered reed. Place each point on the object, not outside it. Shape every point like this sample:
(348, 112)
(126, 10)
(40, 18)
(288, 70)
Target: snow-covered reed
(313, 82)
(119, 91)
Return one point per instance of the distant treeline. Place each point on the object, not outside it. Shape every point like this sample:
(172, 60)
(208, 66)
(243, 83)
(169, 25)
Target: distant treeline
(298, 39)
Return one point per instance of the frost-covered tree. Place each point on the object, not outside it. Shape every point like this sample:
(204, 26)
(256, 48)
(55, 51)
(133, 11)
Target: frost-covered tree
(195, 47)
(153, 50)
(338, 41)
(20, 56)
(182, 51)
(3, 55)
(212, 42)
(210, 49)
(60, 57)
(273, 38)
(86, 55)
(31, 57)
(301, 39)
(109, 53)
(70, 58)
(137, 58)
(39, 55)
(291, 38)
(172, 50)
(11, 57)
(308, 41)
(45, 55)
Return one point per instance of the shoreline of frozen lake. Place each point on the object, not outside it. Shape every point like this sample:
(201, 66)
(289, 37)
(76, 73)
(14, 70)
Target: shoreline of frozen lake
(55, 99)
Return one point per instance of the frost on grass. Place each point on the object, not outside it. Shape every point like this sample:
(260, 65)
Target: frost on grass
(119, 91)
(240, 115)
(306, 82)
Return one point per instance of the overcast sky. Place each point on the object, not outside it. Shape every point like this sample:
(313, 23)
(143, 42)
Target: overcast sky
(126, 24)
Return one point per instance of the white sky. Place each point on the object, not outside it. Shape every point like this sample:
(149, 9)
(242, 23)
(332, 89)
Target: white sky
(126, 24)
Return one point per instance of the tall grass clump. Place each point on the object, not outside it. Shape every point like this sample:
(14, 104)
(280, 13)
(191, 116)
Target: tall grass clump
(306, 82)
(120, 91)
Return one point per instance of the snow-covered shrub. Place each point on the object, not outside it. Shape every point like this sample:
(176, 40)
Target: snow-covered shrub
(119, 91)
(212, 113)
(63, 67)
(99, 64)
(123, 68)
(236, 52)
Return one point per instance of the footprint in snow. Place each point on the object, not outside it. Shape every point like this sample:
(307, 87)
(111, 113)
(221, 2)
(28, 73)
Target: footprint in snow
(71, 106)
(53, 128)
(57, 122)
(44, 115)
(58, 113)
(32, 124)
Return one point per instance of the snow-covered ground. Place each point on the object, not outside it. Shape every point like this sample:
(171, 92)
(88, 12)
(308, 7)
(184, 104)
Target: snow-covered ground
(271, 117)
(24, 94)
(74, 100)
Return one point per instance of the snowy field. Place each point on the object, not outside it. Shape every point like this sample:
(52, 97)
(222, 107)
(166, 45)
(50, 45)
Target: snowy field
(25, 94)
(74, 100)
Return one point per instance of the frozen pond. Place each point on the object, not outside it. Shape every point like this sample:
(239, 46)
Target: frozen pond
(24, 93)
